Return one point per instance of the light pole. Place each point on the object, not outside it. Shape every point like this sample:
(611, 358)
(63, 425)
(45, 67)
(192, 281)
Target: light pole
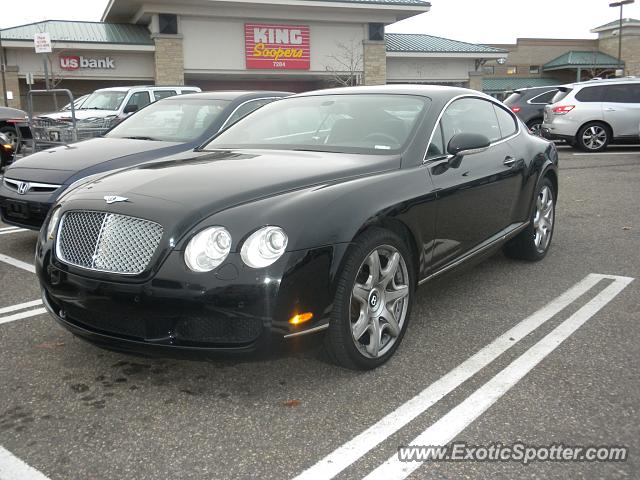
(620, 4)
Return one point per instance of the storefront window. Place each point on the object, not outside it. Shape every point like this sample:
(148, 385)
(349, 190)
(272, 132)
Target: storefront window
(332, 123)
(512, 70)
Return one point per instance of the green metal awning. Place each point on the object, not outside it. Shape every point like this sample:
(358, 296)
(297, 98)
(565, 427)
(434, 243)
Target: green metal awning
(507, 84)
(576, 59)
(420, 43)
(82, 32)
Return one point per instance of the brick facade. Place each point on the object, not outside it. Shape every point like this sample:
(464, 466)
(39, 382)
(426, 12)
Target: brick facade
(375, 63)
(630, 51)
(169, 60)
(475, 81)
(13, 86)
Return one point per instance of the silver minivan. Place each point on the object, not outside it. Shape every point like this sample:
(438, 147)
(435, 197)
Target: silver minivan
(591, 115)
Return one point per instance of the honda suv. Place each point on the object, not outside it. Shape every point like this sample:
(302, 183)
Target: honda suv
(591, 115)
(528, 104)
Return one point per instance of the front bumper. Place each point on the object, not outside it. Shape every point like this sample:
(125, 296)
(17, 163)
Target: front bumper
(26, 211)
(234, 308)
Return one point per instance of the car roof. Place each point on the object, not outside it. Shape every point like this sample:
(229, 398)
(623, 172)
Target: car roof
(432, 91)
(603, 81)
(535, 89)
(144, 87)
(229, 95)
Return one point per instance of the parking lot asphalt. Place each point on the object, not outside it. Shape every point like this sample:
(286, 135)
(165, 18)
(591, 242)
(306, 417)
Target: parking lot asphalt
(69, 410)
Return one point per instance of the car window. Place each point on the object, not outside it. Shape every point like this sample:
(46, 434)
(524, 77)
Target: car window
(184, 92)
(246, 108)
(341, 123)
(625, 93)
(561, 94)
(591, 94)
(436, 147)
(141, 99)
(470, 115)
(508, 125)
(513, 98)
(160, 94)
(544, 98)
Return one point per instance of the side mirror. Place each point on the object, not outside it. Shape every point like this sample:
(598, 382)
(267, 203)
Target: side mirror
(132, 107)
(467, 143)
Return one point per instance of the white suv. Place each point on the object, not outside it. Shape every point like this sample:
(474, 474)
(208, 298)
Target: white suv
(593, 114)
(118, 103)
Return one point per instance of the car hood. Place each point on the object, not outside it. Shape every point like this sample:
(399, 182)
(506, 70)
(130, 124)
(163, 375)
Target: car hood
(186, 190)
(58, 164)
(80, 114)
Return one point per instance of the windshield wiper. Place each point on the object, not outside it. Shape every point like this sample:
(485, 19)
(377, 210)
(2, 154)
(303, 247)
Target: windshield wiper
(142, 138)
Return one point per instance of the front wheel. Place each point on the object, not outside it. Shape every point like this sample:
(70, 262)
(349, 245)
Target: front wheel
(534, 241)
(372, 303)
(535, 127)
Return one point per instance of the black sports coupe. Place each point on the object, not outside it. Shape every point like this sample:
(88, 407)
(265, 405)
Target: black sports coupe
(320, 212)
(173, 125)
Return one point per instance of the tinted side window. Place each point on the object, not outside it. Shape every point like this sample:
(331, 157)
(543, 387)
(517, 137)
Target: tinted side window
(507, 123)
(160, 94)
(246, 109)
(560, 95)
(591, 94)
(141, 99)
(470, 115)
(629, 93)
(545, 97)
(436, 147)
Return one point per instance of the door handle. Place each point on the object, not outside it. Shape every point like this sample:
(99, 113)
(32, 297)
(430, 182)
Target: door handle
(609, 109)
(508, 161)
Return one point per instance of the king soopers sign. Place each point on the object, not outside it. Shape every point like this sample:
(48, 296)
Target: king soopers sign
(277, 47)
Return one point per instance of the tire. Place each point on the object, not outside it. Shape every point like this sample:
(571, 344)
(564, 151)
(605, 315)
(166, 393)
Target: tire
(593, 137)
(535, 127)
(532, 244)
(12, 135)
(362, 301)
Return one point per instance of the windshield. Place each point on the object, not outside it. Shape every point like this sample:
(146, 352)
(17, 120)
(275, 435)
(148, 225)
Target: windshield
(105, 100)
(172, 120)
(360, 123)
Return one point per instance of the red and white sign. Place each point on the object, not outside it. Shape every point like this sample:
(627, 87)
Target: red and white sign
(277, 47)
(76, 62)
(42, 42)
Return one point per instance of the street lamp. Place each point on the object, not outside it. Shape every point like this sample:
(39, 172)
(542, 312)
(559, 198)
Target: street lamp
(620, 4)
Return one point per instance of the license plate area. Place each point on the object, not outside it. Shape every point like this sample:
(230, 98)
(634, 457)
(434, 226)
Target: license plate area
(17, 209)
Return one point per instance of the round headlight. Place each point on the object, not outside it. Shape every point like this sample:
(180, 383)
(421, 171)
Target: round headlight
(208, 249)
(264, 247)
(53, 223)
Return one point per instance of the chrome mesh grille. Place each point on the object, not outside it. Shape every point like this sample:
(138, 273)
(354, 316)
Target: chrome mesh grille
(107, 242)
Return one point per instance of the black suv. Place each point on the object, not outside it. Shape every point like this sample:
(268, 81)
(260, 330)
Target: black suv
(528, 104)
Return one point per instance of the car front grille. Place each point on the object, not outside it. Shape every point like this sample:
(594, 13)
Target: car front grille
(107, 242)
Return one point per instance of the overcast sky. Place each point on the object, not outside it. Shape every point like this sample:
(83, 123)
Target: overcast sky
(479, 21)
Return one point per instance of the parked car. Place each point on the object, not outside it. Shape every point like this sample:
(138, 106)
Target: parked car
(6, 151)
(77, 103)
(12, 122)
(319, 212)
(176, 124)
(116, 103)
(528, 104)
(591, 115)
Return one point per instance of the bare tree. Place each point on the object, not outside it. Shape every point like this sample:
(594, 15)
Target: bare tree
(346, 63)
(594, 71)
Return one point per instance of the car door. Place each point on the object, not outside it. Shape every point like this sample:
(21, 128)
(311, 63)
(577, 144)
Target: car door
(476, 194)
(621, 109)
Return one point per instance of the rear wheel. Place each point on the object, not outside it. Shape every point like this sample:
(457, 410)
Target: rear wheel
(372, 303)
(534, 241)
(535, 127)
(593, 137)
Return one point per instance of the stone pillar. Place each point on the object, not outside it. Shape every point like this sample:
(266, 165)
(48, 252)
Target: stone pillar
(13, 86)
(375, 62)
(169, 59)
(630, 48)
(475, 81)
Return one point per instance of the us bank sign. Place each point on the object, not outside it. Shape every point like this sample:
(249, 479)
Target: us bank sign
(76, 62)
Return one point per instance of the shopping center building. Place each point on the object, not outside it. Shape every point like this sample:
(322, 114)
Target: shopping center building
(292, 45)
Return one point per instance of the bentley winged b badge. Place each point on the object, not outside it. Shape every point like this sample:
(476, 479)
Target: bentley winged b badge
(114, 199)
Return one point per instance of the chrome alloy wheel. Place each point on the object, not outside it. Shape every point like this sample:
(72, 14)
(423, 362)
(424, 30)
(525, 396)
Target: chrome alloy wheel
(594, 137)
(536, 129)
(543, 219)
(379, 301)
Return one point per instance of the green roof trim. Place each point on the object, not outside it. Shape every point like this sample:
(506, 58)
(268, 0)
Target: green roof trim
(616, 24)
(506, 84)
(420, 43)
(82, 32)
(577, 59)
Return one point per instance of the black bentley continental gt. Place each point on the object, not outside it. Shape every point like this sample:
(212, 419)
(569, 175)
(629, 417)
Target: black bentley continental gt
(321, 212)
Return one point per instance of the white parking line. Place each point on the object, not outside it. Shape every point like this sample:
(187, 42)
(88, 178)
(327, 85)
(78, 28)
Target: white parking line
(17, 263)
(607, 153)
(12, 468)
(20, 306)
(456, 420)
(21, 315)
(342, 457)
(15, 230)
(3, 229)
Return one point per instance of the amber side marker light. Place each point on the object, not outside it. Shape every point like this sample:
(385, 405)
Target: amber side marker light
(7, 146)
(301, 318)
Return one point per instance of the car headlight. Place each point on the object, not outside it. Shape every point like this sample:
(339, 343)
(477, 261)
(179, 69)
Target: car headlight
(264, 247)
(53, 223)
(208, 249)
